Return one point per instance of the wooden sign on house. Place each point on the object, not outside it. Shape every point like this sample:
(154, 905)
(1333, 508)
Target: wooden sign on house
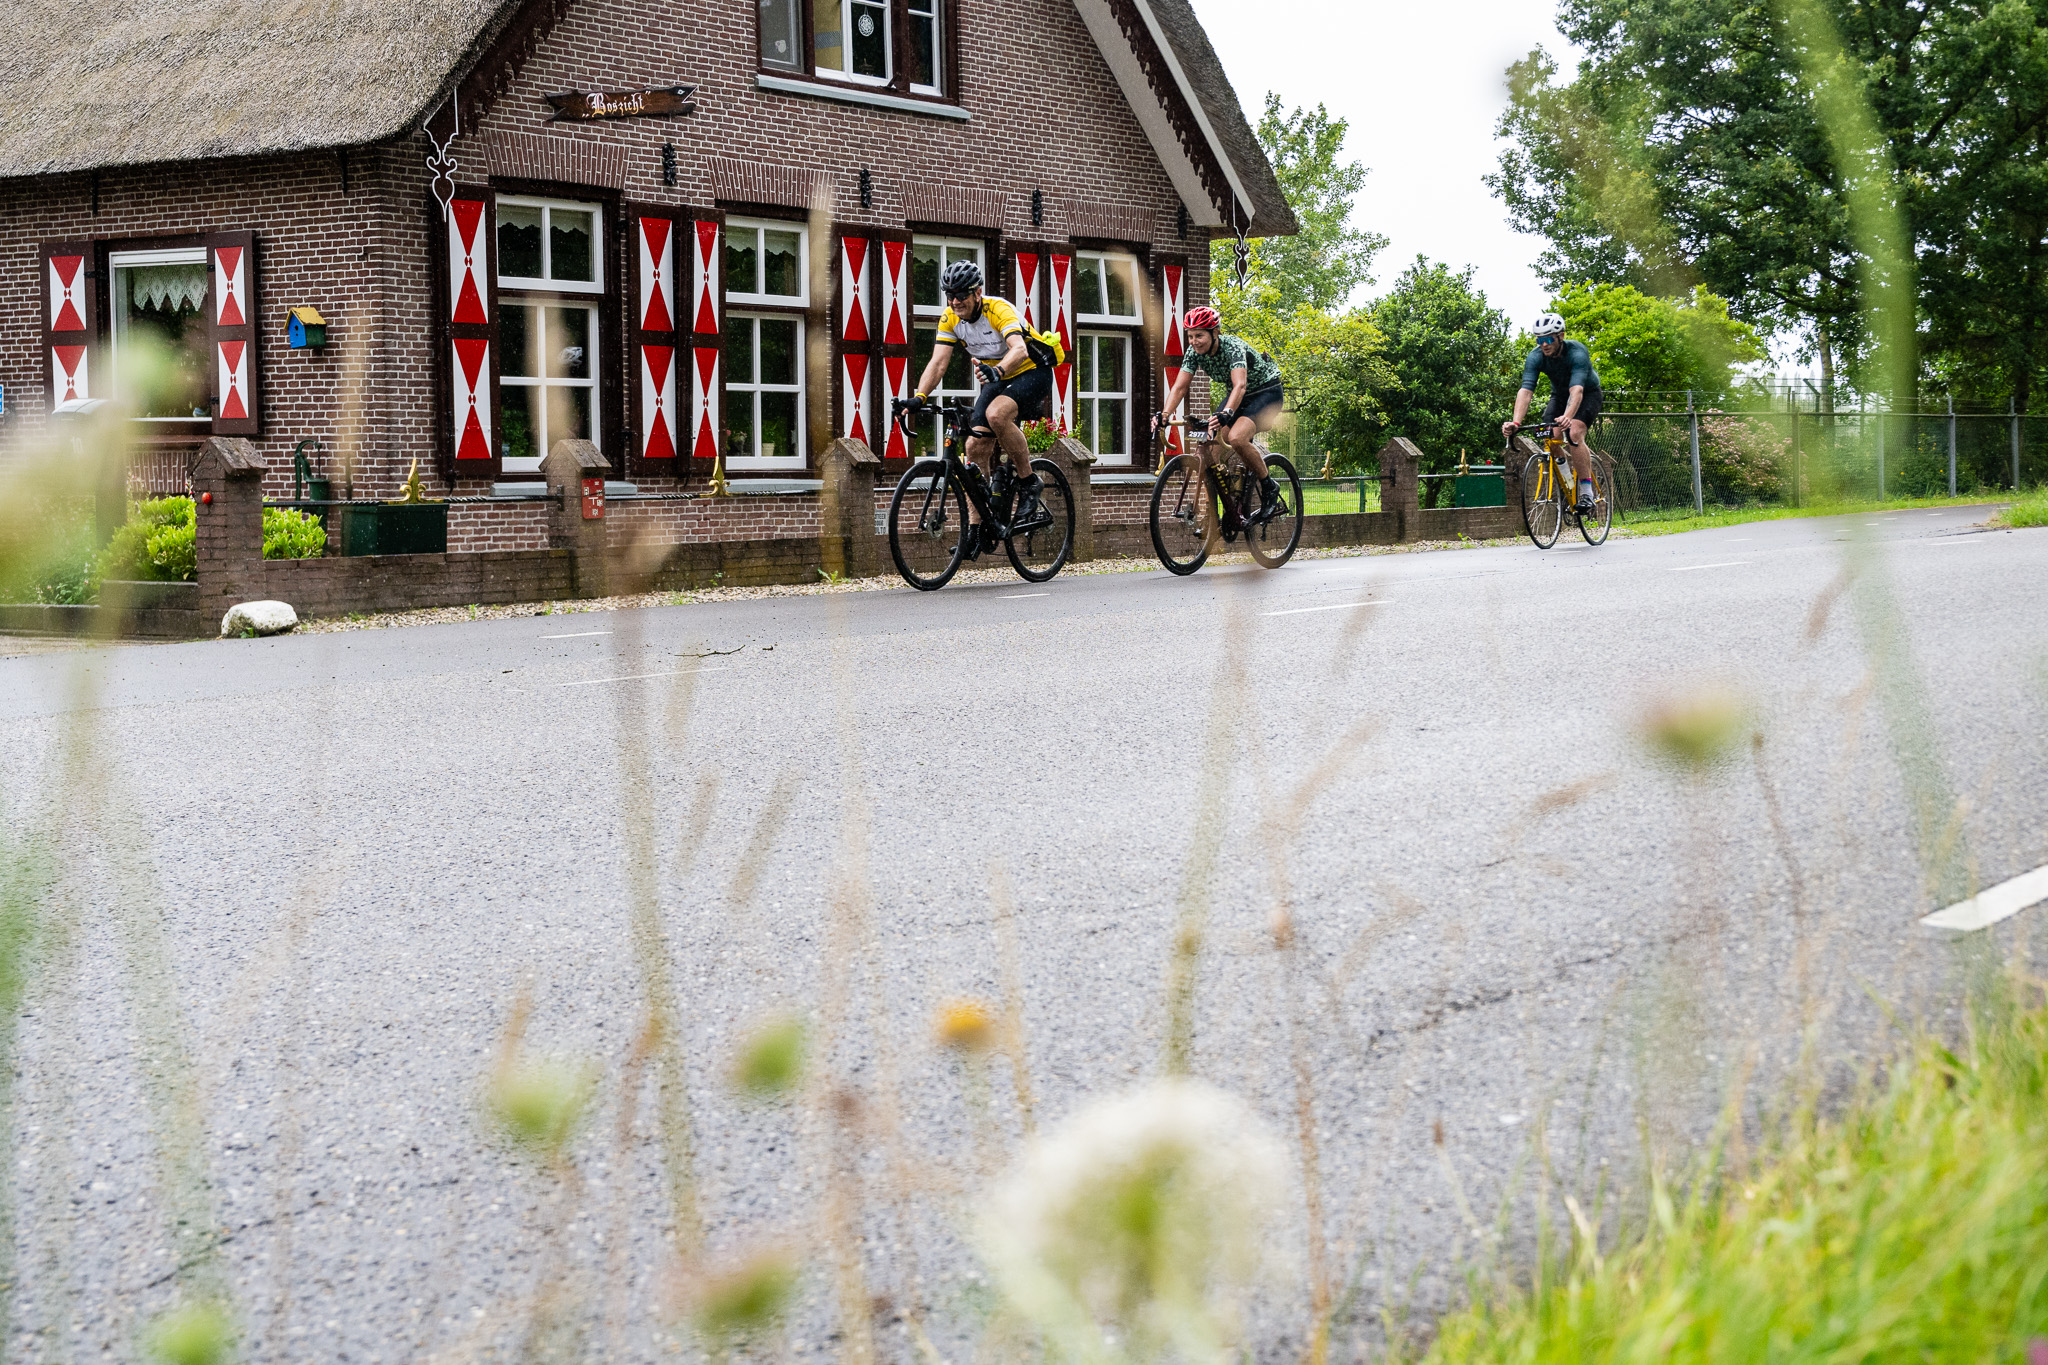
(669, 101)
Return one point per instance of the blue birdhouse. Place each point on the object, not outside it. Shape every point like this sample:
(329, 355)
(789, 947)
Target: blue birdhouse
(305, 329)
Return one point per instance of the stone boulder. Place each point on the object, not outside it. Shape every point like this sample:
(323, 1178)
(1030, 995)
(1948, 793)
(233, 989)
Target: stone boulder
(258, 618)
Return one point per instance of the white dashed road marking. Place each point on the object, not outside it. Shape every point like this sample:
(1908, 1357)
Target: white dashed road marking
(1020, 596)
(577, 636)
(1334, 606)
(1724, 564)
(635, 677)
(1989, 907)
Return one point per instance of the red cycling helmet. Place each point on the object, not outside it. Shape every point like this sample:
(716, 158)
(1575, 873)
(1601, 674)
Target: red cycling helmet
(1208, 319)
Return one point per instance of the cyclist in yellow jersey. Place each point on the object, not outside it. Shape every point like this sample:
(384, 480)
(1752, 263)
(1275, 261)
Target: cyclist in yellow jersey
(1014, 388)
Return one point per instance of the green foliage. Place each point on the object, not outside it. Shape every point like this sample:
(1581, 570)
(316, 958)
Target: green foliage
(771, 1061)
(1915, 1227)
(745, 1302)
(539, 1105)
(2029, 509)
(1320, 266)
(1687, 149)
(1335, 369)
(1040, 435)
(1643, 343)
(158, 543)
(289, 533)
(1454, 361)
(197, 1334)
(48, 557)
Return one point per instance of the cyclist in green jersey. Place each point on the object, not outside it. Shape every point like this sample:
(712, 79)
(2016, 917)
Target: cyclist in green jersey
(1255, 396)
(1574, 395)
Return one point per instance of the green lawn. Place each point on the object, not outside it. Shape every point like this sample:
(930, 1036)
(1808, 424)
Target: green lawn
(1913, 1227)
(2029, 509)
(1664, 523)
(1320, 499)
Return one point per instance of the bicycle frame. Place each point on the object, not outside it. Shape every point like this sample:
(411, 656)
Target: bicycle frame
(976, 484)
(1557, 467)
(1223, 469)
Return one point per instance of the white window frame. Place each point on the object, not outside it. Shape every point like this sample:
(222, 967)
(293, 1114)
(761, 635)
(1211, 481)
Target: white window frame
(547, 282)
(938, 22)
(948, 246)
(117, 325)
(746, 297)
(1136, 319)
(846, 74)
(748, 390)
(1085, 392)
(541, 382)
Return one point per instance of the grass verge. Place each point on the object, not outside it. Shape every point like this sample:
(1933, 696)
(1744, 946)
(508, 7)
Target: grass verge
(1665, 524)
(1913, 1227)
(2029, 509)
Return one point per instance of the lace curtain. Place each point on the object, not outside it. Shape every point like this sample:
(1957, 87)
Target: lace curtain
(171, 287)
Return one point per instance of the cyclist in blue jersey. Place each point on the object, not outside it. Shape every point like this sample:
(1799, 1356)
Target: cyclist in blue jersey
(1574, 395)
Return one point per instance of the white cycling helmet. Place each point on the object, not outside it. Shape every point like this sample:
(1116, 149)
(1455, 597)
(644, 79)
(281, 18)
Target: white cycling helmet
(1550, 324)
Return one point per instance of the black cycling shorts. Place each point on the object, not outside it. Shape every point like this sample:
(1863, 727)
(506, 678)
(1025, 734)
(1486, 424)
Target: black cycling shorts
(1028, 390)
(1589, 406)
(1258, 400)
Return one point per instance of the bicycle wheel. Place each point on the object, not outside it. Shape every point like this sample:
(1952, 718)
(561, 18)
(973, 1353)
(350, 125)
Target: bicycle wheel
(1542, 504)
(927, 525)
(1593, 525)
(1183, 515)
(1040, 553)
(1273, 543)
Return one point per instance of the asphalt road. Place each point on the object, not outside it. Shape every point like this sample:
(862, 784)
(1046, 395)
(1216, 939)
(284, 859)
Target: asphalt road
(296, 887)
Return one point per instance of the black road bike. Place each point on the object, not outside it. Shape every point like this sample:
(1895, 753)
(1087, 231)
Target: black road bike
(929, 533)
(1207, 498)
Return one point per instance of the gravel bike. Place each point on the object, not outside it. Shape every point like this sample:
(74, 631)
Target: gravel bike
(929, 533)
(1550, 491)
(1203, 499)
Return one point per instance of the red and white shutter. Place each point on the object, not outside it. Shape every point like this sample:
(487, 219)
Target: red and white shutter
(232, 314)
(1060, 300)
(893, 351)
(70, 319)
(471, 303)
(1030, 267)
(655, 303)
(857, 327)
(1173, 285)
(707, 316)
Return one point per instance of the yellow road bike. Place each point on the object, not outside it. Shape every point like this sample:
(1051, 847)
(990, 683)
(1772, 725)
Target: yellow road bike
(1550, 492)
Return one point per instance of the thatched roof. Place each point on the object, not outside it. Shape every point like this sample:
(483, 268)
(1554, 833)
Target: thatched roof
(89, 83)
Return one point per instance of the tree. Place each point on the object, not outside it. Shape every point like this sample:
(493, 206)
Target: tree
(1328, 259)
(1455, 361)
(1645, 344)
(1686, 151)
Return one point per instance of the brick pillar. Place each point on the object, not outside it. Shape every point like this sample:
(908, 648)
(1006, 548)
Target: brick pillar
(846, 532)
(1076, 461)
(227, 507)
(1400, 463)
(575, 471)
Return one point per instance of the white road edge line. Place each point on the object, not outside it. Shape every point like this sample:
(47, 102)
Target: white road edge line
(1950, 540)
(577, 636)
(1988, 907)
(1020, 596)
(1724, 564)
(635, 677)
(1334, 606)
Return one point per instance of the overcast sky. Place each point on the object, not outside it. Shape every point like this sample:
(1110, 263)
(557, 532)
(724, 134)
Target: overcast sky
(1422, 85)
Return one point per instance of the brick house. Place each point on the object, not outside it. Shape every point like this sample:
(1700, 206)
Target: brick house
(670, 231)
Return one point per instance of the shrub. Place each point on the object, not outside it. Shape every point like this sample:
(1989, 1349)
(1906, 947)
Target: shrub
(158, 543)
(2028, 509)
(1743, 459)
(289, 533)
(1040, 435)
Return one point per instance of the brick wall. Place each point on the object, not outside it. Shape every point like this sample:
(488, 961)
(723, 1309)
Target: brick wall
(474, 528)
(361, 252)
(789, 516)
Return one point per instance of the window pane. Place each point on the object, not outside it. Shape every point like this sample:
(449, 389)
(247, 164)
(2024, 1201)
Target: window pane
(826, 41)
(924, 274)
(518, 432)
(1088, 284)
(1121, 280)
(739, 425)
(782, 264)
(1089, 438)
(1084, 364)
(1111, 426)
(571, 233)
(737, 350)
(780, 45)
(516, 348)
(568, 414)
(165, 348)
(778, 425)
(924, 42)
(870, 38)
(1109, 365)
(568, 343)
(778, 350)
(742, 260)
(519, 241)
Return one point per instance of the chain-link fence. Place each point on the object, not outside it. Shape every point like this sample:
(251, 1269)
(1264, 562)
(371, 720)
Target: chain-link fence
(1684, 459)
